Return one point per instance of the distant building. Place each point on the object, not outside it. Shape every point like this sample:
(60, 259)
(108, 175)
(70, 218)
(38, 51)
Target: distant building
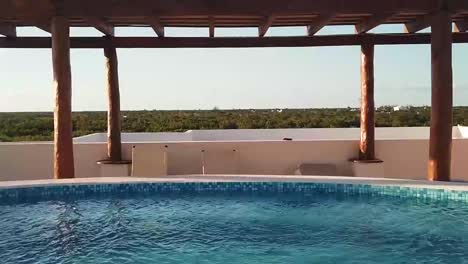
(401, 108)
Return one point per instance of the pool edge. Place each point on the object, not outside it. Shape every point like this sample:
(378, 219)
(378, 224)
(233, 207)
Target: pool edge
(455, 186)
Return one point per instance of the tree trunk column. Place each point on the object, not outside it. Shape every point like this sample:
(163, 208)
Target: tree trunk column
(366, 146)
(440, 146)
(63, 126)
(114, 144)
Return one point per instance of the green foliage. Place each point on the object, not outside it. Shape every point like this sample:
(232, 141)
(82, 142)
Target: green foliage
(40, 126)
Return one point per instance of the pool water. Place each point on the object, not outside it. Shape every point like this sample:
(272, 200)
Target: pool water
(234, 228)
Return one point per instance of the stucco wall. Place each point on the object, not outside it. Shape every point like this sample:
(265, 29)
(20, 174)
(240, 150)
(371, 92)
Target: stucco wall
(460, 160)
(30, 161)
(463, 131)
(273, 134)
(405, 159)
(258, 157)
(312, 134)
(137, 137)
(20, 161)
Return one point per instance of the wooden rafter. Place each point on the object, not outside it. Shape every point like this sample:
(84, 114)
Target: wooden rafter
(228, 13)
(263, 28)
(8, 30)
(44, 26)
(461, 25)
(419, 24)
(155, 23)
(36, 15)
(372, 22)
(108, 8)
(319, 23)
(101, 25)
(228, 42)
(212, 27)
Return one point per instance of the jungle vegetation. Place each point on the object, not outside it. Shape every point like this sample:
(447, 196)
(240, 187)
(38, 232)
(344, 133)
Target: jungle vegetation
(39, 126)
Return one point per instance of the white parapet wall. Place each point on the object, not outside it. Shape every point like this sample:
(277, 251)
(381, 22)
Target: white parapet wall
(273, 134)
(137, 137)
(403, 150)
(310, 134)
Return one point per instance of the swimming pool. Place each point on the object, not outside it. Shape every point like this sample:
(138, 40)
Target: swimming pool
(236, 222)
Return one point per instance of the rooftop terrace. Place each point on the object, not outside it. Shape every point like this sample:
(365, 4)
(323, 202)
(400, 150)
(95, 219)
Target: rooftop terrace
(57, 16)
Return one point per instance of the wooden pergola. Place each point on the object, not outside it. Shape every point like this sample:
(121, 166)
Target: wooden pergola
(57, 16)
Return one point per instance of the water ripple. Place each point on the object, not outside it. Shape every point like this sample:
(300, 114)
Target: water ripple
(234, 229)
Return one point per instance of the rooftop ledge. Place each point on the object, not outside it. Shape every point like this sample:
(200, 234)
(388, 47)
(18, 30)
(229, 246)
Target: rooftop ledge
(114, 162)
(456, 186)
(366, 161)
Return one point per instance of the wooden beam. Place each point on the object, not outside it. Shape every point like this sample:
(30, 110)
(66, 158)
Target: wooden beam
(8, 30)
(101, 25)
(440, 145)
(155, 23)
(122, 12)
(372, 22)
(36, 13)
(367, 143)
(461, 25)
(263, 28)
(45, 26)
(228, 42)
(63, 126)
(319, 23)
(457, 6)
(212, 27)
(419, 24)
(114, 142)
(108, 8)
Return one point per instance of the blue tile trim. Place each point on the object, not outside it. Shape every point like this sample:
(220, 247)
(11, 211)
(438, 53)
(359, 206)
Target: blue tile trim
(83, 191)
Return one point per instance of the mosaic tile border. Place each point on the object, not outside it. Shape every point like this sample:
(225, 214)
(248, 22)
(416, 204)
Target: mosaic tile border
(31, 194)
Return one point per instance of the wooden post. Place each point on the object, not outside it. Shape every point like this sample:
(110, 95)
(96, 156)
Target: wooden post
(63, 126)
(440, 146)
(366, 146)
(114, 144)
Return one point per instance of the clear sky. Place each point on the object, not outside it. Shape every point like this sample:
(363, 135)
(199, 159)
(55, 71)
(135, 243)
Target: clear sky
(227, 78)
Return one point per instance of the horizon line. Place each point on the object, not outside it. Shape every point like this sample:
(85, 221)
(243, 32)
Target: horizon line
(233, 109)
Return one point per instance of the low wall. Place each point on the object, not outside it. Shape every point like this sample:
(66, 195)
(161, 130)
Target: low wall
(33, 161)
(381, 133)
(404, 159)
(313, 133)
(255, 157)
(20, 161)
(137, 137)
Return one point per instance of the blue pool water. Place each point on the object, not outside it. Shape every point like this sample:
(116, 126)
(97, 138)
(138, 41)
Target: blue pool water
(230, 227)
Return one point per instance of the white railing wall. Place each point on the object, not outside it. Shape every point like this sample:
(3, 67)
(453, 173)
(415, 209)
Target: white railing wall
(406, 159)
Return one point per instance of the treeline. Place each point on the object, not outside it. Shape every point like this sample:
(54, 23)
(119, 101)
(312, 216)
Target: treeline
(39, 126)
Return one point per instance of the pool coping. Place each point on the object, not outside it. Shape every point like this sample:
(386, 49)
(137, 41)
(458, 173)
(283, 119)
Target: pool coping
(451, 186)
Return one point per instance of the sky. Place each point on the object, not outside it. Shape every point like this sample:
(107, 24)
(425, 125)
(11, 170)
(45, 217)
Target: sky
(176, 79)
